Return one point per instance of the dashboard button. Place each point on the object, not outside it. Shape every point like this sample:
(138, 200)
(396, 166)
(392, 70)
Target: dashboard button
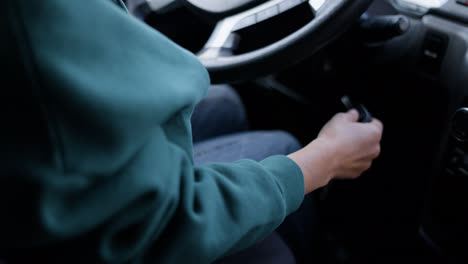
(433, 51)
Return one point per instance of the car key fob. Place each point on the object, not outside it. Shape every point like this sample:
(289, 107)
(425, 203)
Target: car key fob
(364, 115)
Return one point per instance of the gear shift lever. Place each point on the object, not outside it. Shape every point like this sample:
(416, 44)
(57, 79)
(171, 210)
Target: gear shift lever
(364, 117)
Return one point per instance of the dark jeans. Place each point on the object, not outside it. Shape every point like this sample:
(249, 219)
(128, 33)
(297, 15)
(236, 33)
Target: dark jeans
(219, 126)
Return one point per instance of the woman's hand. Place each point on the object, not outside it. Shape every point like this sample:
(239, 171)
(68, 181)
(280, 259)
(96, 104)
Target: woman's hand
(344, 149)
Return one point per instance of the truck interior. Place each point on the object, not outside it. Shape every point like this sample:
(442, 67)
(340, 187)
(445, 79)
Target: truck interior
(406, 61)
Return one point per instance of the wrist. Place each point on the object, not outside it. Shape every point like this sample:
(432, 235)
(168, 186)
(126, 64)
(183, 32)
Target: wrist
(317, 162)
(328, 156)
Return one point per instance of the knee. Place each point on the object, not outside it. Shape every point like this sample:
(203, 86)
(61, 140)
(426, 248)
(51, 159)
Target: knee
(226, 95)
(223, 93)
(291, 142)
(228, 102)
(286, 141)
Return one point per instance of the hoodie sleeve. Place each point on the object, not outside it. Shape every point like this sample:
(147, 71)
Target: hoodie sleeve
(99, 166)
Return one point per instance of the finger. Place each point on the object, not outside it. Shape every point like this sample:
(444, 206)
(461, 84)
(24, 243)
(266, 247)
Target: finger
(364, 166)
(367, 166)
(377, 152)
(370, 154)
(373, 153)
(352, 115)
(377, 123)
(357, 172)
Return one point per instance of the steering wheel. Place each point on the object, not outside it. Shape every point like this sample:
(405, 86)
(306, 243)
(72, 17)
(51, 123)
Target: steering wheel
(330, 19)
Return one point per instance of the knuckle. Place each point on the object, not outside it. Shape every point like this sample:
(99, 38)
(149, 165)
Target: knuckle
(378, 123)
(354, 174)
(376, 151)
(340, 115)
(377, 133)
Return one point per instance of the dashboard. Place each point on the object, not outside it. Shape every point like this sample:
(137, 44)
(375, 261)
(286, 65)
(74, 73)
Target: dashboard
(437, 48)
(452, 9)
(420, 5)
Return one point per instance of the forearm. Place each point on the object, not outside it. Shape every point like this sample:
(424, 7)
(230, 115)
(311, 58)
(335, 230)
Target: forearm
(316, 161)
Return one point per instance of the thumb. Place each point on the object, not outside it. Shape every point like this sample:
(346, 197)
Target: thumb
(352, 115)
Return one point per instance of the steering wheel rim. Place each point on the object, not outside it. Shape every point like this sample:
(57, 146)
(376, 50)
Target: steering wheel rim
(332, 17)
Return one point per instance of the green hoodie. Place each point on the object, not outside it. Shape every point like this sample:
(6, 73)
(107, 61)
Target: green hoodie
(96, 160)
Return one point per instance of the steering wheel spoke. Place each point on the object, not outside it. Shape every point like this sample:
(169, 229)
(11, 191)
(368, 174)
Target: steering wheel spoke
(141, 8)
(316, 4)
(224, 38)
(329, 18)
